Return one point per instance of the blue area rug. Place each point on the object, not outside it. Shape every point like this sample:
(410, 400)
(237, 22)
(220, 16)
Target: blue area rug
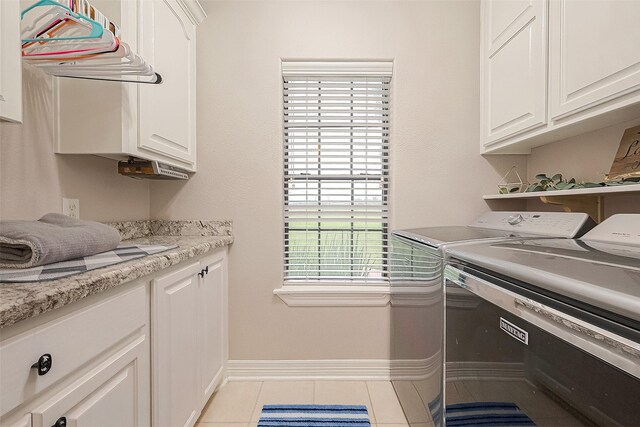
(486, 414)
(314, 415)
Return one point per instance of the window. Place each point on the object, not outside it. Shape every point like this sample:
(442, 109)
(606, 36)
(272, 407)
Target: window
(336, 172)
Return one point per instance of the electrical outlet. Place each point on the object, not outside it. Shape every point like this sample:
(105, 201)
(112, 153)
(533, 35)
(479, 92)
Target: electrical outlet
(71, 207)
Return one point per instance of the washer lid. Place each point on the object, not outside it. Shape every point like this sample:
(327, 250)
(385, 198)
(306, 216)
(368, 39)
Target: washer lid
(604, 275)
(496, 225)
(437, 237)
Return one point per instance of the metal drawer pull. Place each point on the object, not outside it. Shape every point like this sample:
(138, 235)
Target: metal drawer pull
(43, 365)
(204, 271)
(60, 422)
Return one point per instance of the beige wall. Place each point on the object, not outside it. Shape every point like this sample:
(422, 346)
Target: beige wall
(585, 157)
(437, 175)
(33, 180)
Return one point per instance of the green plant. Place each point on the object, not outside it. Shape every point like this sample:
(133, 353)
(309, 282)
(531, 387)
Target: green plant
(341, 253)
(544, 183)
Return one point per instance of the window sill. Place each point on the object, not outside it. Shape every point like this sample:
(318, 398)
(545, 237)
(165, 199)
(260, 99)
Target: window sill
(334, 295)
(358, 296)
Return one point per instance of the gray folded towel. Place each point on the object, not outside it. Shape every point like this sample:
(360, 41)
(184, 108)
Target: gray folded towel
(53, 238)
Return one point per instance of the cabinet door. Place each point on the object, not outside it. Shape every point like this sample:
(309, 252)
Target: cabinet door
(167, 40)
(113, 394)
(174, 325)
(25, 421)
(513, 67)
(213, 303)
(594, 52)
(10, 62)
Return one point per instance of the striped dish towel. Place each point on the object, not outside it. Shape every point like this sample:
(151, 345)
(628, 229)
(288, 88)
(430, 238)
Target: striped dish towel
(61, 269)
(486, 414)
(314, 415)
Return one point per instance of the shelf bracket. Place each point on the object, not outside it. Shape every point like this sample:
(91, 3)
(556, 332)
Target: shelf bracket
(592, 205)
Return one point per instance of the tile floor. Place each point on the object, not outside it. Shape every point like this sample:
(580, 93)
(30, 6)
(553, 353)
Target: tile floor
(239, 404)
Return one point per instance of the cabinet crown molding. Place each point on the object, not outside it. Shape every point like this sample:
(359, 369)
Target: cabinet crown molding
(194, 10)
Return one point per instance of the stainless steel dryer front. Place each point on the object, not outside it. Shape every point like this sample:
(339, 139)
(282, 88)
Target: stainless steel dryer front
(545, 332)
(417, 259)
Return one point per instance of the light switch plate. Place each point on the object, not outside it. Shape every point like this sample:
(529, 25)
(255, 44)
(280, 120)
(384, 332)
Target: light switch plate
(71, 207)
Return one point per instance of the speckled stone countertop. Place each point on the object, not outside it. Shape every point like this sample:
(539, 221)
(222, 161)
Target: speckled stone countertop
(19, 301)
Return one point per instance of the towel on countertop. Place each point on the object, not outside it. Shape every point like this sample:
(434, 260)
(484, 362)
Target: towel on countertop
(53, 238)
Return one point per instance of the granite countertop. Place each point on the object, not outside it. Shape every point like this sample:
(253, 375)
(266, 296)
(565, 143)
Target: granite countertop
(19, 301)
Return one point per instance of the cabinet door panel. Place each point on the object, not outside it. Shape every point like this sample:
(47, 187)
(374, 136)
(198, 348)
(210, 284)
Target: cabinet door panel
(212, 309)
(111, 394)
(175, 347)
(10, 62)
(167, 111)
(113, 403)
(503, 14)
(514, 68)
(594, 55)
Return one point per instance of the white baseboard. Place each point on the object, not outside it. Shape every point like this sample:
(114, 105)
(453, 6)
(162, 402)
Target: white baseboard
(350, 369)
(416, 369)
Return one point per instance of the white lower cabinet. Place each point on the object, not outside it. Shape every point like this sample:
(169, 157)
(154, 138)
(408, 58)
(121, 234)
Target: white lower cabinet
(174, 317)
(111, 366)
(188, 318)
(213, 324)
(91, 366)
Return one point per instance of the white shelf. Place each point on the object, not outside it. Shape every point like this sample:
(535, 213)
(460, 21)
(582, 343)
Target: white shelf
(597, 191)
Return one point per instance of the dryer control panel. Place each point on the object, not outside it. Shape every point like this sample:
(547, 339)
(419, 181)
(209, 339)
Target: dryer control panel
(621, 229)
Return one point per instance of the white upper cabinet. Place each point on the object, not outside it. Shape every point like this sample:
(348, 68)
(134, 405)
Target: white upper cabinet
(514, 52)
(589, 51)
(595, 53)
(168, 111)
(10, 62)
(155, 122)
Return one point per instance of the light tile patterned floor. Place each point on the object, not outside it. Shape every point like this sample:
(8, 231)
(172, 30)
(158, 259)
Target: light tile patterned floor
(239, 404)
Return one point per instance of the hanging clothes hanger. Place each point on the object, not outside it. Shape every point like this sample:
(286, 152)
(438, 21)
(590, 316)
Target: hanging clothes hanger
(61, 39)
(156, 80)
(49, 43)
(46, 13)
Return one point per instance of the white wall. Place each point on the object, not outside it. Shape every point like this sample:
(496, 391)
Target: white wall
(33, 180)
(438, 176)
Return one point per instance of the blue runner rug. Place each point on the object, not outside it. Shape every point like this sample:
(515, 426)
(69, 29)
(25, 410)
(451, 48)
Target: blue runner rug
(486, 414)
(314, 415)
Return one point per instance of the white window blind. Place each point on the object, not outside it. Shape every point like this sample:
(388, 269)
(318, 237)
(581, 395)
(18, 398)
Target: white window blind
(336, 172)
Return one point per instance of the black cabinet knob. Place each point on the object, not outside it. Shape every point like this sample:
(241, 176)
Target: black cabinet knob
(60, 422)
(43, 365)
(204, 271)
